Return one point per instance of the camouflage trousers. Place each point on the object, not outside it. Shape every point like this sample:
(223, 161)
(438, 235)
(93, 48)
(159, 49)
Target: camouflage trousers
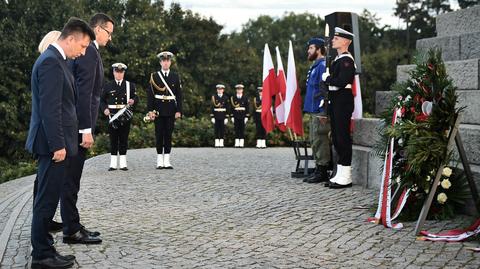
(319, 139)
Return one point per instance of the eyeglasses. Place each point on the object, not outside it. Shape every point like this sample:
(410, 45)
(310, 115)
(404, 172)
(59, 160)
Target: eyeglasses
(108, 32)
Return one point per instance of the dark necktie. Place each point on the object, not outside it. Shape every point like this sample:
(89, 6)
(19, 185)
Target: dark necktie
(165, 74)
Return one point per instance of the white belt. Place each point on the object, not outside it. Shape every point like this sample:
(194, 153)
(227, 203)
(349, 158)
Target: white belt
(258, 110)
(335, 88)
(116, 106)
(220, 109)
(164, 97)
(239, 108)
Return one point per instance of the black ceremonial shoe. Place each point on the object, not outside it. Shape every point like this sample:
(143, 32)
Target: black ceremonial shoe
(339, 186)
(68, 258)
(95, 233)
(81, 237)
(52, 262)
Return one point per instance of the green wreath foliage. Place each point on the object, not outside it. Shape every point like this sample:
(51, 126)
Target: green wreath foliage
(427, 104)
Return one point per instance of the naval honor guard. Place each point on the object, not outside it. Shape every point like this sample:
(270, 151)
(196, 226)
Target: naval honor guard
(340, 82)
(118, 96)
(260, 131)
(165, 106)
(219, 114)
(240, 108)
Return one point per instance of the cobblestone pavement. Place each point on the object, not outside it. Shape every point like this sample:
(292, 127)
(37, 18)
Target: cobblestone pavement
(225, 208)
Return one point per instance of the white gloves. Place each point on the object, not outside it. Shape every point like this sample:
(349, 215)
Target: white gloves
(246, 119)
(322, 102)
(213, 120)
(225, 121)
(233, 120)
(325, 75)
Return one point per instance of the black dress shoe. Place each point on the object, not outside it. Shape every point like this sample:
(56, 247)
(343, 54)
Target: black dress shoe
(168, 167)
(52, 262)
(81, 237)
(339, 186)
(160, 167)
(327, 184)
(112, 169)
(55, 227)
(68, 258)
(95, 233)
(124, 169)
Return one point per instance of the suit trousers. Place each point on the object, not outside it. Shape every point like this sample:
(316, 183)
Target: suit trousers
(341, 109)
(163, 134)
(119, 139)
(50, 180)
(69, 197)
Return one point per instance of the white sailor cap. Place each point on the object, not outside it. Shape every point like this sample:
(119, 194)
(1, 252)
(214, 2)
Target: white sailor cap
(343, 33)
(165, 55)
(119, 66)
(220, 86)
(239, 86)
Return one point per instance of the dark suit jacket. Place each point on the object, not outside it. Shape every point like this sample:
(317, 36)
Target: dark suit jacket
(88, 73)
(53, 124)
(117, 95)
(165, 108)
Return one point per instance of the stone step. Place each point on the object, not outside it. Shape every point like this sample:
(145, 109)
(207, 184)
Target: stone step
(456, 47)
(458, 22)
(366, 167)
(468, 99)
(367, 172)
(367, 133)
(465, 73)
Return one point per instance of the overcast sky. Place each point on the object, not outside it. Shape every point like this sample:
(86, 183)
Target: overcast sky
(232, 14)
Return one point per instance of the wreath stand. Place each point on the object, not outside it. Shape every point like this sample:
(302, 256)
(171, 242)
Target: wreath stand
(454, 137)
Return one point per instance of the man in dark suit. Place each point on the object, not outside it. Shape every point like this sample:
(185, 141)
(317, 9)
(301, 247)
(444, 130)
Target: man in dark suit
(52, 136)
(166, 100)
(88, 73)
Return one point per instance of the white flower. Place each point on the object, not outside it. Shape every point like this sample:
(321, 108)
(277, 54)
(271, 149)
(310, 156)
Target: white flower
(447, 171)
(400, 142)
(428, 178)
(442, 198)
(446, 184)
(397, 179)
(427, 191)
(414, 187)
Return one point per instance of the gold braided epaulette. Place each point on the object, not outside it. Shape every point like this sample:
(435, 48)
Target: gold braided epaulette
(152, 82)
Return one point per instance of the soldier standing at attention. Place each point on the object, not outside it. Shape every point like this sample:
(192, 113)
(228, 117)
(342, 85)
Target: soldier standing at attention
(164, 105)
(116, 95)
(239, 115)
(219, 114)
(341, 106)
(260, 131)
(316, 106)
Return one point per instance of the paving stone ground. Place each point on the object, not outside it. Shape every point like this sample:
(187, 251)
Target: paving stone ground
(228, 208)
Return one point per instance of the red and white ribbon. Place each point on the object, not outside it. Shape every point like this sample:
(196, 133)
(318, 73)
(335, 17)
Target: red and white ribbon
(455, 235)
(383, 214)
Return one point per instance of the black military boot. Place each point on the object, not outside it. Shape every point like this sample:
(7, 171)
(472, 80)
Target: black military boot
(313, 175)
(321, 176)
